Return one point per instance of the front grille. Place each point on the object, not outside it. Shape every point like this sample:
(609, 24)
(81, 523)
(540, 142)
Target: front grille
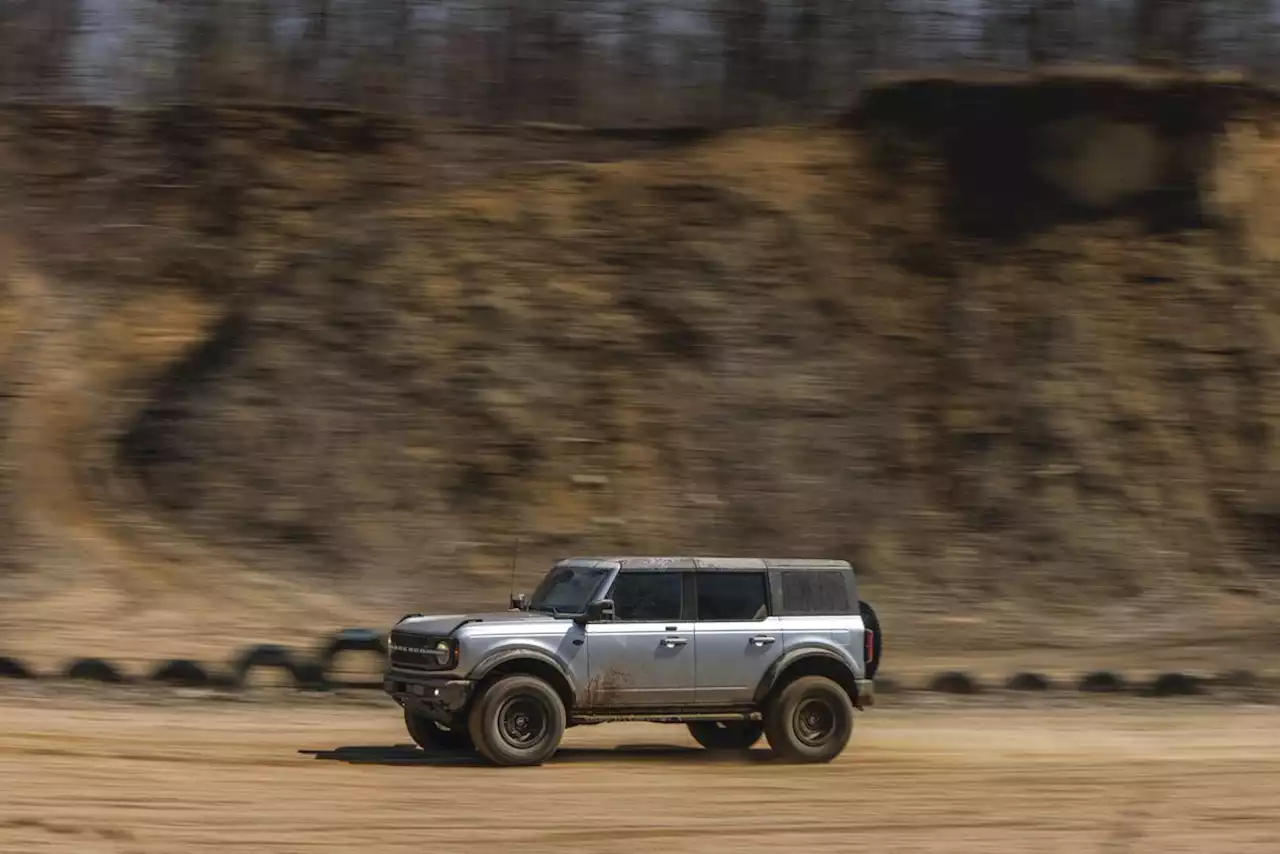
(417, 652)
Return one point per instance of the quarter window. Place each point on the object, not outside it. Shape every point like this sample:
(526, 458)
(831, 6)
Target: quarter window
(732, 596)
(647, 597)
(814, 592)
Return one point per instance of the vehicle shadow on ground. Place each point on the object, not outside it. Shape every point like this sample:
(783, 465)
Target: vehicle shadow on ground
(408, 754)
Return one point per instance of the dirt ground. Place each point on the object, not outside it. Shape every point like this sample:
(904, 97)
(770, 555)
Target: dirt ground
(84, 774)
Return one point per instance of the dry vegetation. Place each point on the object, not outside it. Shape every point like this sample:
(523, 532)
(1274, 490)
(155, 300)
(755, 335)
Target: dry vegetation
(296, 362)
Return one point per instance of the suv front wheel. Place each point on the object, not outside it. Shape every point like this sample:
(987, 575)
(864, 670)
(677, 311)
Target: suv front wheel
(431, 736)
(810, 720)
(517, 720)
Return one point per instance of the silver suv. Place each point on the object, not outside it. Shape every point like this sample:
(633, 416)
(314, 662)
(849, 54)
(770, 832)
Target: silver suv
(733, 648)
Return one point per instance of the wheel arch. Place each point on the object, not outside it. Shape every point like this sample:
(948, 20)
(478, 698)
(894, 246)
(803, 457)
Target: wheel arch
(529, 662)
(809, 661)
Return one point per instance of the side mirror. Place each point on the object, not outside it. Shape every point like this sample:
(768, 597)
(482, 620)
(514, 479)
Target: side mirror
(519, 602)
(600, 611)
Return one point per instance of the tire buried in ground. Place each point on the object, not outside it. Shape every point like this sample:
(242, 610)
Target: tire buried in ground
(310, 676)
(955, 682)
(1028, 682)
(94, 670)
(1175, 685)
(1238, 679)
(11, 668)
(368, 641)
(888, 685)
(181, 673)
(1102, 682)
(270, 656)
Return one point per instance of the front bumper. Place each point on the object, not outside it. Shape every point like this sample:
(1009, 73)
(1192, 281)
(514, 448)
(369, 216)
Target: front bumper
(436, 697)
(866, 693)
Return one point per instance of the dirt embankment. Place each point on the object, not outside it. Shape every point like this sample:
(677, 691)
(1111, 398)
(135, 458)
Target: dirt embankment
(997, 342)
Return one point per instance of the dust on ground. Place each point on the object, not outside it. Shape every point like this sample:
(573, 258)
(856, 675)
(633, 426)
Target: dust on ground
(85, 775)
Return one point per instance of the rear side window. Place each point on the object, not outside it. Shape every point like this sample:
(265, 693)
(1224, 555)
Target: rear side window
(733, 596)
(647, 597)
(814, 592)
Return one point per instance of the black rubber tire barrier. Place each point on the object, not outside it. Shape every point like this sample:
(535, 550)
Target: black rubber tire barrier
(1102, 682)
(353, 640)
(1028, 682)
(263, 655)
(11, 668)
(954, 682)
(888, 685)
(94, 670)
(311, 676)
(1175, 685)
(181, 673)
(1238, 679)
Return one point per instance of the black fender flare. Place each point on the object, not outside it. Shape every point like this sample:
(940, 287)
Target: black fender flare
(493, 661)
(779, 667)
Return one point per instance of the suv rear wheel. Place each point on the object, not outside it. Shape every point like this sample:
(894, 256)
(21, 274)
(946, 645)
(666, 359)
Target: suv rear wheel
(517, 720)
(430, 735)
(726, 735)
(809, 720)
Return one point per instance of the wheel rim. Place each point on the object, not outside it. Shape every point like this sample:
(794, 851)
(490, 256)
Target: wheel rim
(814, 722)
(523, 722)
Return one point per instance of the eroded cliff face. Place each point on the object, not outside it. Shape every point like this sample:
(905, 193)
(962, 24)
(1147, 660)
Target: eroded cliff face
(1011, 338)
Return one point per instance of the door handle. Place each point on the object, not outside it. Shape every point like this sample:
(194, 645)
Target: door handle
(763, 640)
(671, 643)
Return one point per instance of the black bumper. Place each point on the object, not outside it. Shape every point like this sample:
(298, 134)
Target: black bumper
(439, 698)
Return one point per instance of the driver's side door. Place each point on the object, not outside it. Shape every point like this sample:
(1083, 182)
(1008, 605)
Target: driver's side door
(645, 655)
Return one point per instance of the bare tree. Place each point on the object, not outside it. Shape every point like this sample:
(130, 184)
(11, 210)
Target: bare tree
(38, 39)
(637, 59)
(1167, 32)
(743, 28)
(806, 56)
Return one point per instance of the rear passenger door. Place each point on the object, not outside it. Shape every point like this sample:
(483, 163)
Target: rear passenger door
(738, 638)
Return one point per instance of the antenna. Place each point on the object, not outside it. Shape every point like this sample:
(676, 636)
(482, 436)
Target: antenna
(515, 562)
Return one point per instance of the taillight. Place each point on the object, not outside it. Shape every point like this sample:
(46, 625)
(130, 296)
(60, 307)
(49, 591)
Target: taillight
(869, 638)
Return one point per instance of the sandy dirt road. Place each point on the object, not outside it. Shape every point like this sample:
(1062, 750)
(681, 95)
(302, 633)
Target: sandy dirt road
(83, 776)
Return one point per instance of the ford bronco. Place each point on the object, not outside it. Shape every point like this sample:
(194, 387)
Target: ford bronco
(732, 648)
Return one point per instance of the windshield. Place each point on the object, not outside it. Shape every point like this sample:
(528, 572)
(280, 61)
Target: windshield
(568, 589)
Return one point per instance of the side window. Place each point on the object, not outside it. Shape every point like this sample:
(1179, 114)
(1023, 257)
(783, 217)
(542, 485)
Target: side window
(647, 597)
(814, 592)
(732, 596)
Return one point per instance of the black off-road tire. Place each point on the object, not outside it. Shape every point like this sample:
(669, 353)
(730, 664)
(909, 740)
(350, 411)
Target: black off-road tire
(434, 738)
(809, 720)
(726, 735)
(517, 720)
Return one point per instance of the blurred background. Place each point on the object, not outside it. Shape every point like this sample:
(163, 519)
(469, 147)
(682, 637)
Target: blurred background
(310, 312)
(594, 62)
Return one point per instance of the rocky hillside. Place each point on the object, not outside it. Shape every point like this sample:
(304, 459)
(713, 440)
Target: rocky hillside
(998, 340)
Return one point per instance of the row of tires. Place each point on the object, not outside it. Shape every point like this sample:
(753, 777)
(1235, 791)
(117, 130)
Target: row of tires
(315, 673)
(308, 672)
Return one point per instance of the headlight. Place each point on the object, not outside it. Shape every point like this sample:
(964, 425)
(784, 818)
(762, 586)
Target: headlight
(446, 651)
